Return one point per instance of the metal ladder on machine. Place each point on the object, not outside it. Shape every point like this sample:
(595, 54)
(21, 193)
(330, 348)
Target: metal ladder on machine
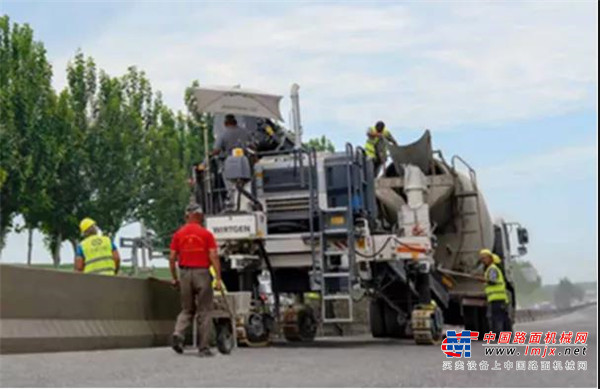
(336, 278)
(473, 193)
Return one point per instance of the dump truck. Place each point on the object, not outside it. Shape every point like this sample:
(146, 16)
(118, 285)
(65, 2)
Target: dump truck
(322, 223)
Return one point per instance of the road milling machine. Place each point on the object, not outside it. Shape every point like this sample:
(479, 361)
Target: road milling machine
(320, 223)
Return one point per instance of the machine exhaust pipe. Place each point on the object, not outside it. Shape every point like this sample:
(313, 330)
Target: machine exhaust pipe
(296, 123)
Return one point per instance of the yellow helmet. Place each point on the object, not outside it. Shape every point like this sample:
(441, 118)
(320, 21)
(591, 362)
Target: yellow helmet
(85, 224)
(486, 253)
(496, 259)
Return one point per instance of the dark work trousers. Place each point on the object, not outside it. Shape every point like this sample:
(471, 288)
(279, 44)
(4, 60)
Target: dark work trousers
(498, 317)
(196, 297)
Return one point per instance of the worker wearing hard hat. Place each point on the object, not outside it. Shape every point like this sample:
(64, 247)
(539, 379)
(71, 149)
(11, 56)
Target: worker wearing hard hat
(231, 137)
(495, 290)
(96, 254)
(194, 249)
(375, 147)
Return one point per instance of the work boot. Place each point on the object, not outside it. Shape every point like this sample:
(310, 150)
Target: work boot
(177, 343)
(205, 352)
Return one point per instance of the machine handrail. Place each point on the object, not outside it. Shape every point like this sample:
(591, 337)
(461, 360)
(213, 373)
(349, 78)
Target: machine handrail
(472, 173)
(350, 237)
(283, 152)
(473, 178)
(312, 162)
(361, 158)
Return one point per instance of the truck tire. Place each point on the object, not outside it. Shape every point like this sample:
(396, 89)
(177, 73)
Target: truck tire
(393, 328)
(484, 323)
(256, 329)
(301, 326)
(225, 340)
(475, 319)
(510, 310)
(377, 318)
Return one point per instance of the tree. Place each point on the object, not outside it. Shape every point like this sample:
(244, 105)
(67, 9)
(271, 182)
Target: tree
(166, 192)
(26, 99)
(175, 144)
(105, 147)
(566, 292)
(102, 122)
(71, 190)
(321, 144)
(65, 190)
(526, 278)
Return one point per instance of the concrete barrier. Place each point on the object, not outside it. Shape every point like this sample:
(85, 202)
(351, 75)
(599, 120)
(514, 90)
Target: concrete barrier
(47, 310)
(524, 315)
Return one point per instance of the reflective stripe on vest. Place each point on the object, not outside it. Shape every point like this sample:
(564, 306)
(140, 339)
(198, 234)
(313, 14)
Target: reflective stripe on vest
(497, 291)
(371, 145)
(97, 253)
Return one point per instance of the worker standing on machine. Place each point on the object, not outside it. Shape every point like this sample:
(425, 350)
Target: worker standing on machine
(195, 248)
(231, 137)
(375, 147)
(96, 254)
(495, 290)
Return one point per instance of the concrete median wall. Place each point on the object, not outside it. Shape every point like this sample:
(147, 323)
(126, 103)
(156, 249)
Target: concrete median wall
(48, 310)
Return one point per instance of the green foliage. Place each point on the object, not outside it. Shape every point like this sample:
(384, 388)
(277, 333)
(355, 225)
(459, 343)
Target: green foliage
(104, 147)
(175, 144)
(26, 100)
(525, 277)
(321, 144)
(566, 292)
(527, 282)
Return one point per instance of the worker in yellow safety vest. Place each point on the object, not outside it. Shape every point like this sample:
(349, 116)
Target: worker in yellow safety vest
(96, 253)
(375, 147)
(495, 291)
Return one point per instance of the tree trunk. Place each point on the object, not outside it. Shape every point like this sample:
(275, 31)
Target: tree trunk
(29, 245)
(2, 240)
(74, 245)
(56, 253)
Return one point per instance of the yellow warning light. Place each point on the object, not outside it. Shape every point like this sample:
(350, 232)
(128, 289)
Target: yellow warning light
(238, 152)
(361, 244)
(337, 220)
(448, 282)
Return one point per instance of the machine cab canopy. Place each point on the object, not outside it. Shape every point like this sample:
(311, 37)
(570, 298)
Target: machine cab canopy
(237, 101)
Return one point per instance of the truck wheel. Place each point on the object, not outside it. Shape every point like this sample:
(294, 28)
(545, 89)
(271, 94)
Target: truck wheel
(484, 324)
(301, 325)
(472, 320)
(377, 318)
(225, 341)
(508, 326)
(307, 325)
(256, 330)
(393, 327)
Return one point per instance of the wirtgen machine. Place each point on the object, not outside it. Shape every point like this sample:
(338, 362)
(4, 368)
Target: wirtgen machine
(321, 222)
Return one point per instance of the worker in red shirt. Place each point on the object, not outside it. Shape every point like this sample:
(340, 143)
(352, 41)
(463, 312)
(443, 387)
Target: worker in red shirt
(195, 248)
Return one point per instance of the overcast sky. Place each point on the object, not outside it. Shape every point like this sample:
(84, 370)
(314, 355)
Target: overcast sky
(511, 87)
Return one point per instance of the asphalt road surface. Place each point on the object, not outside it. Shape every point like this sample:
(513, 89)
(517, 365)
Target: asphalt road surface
(331, 362)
